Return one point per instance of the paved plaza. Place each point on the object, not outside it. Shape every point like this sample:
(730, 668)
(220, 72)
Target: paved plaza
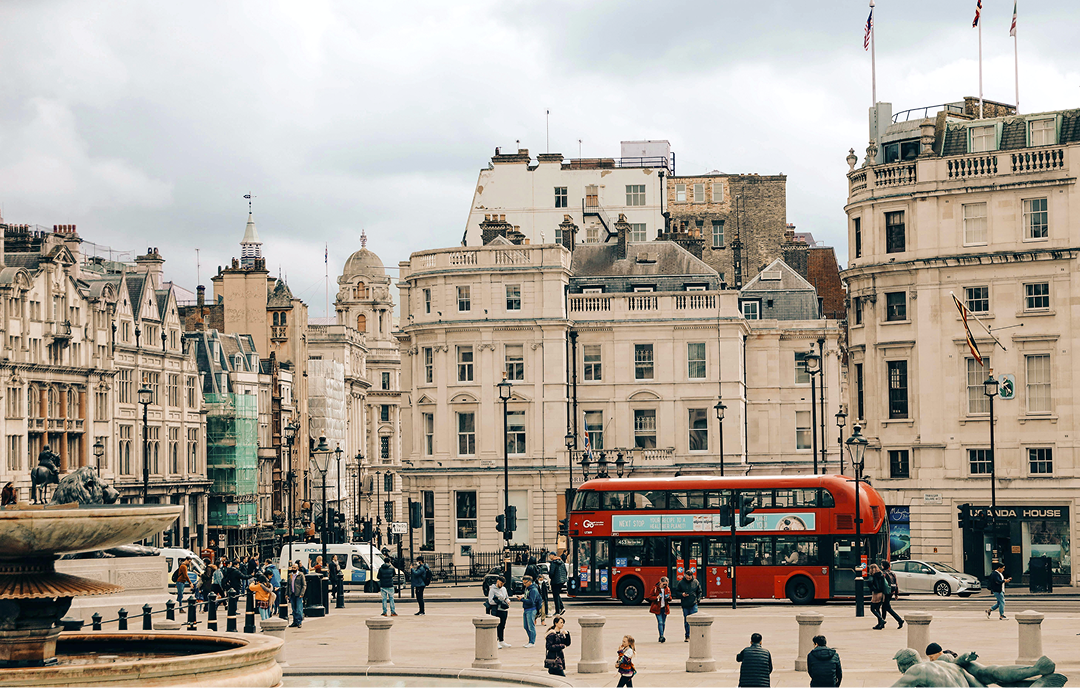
(444, 638)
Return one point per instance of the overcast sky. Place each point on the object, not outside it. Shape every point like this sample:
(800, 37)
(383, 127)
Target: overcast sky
(146, 123)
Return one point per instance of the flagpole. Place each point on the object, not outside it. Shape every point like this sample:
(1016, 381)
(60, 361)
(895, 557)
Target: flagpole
(980, 72)
(873, 61)
(1016, 60)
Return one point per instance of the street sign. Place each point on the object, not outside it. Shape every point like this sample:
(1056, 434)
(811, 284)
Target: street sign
(1007, 390)
(931, 498)
(399, 528)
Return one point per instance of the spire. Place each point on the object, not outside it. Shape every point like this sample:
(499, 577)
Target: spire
(363, 238)
(250, 246)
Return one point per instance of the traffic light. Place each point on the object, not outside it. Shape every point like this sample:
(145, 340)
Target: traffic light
(416, 516)
(166, 539)
(961, 516)
(511, 518)
(365, 531)
(564, 525)
(319, 523)
(339, 518)
(746, 507)
(980, 521)
(500, 523)
(725, 515)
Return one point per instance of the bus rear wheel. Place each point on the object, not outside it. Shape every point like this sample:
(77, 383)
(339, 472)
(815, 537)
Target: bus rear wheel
(631, 591)
(800, 590)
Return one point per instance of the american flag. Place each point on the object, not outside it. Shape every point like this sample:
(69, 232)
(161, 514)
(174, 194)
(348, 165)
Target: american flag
(1012, 29)
(978, 11)
(869, 30)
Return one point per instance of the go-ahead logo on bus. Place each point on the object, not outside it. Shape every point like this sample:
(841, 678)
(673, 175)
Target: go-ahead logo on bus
(591, 524)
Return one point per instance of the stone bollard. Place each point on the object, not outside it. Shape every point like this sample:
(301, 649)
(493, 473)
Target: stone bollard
(592, 645)
(809, 626)
(378, 644)
(487, 643)
(700, 643)
(276, 627)
(918, 631)
(1030, 636)
(167, 625)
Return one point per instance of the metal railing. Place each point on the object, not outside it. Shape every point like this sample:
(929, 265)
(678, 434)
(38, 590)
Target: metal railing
(952, 108)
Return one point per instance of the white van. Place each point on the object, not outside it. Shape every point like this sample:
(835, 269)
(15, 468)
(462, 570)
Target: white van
(354, 559)
(173, 557)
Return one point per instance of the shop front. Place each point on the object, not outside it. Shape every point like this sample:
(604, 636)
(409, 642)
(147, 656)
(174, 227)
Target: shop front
(1016, 535)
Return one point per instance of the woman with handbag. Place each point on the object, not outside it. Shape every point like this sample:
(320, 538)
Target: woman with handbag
(498, 604)
(625, 664)
(877, 595)
(660, 604)
(556, 641)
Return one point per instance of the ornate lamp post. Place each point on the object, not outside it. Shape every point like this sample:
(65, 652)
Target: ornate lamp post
(624, 463)
(813, 368)
(990, 389)
(720, 408)
(505, 390)
(841, 421)
(290, 479)
(99, 451)
(146, 397)
(320, 456)
(337, 457)
(856, 446)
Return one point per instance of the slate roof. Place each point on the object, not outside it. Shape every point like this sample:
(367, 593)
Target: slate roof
(1013, 131)
(135, 284)
(790, 280)
(599, 260)
(280, 297)
(29, 261)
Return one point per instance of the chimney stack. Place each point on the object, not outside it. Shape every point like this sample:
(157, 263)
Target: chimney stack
(622, 227)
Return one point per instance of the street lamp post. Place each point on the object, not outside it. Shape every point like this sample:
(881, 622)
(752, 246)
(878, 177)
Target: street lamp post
(378, 507)
(813, 367)
(841, 421)
(821, 401)
(356, 500)
(337, 495)
(321, 457)
(290, 477)
(99, 451)
(990, 389)
(570, 441)
(720, 408)
(856, 445)
(504, 396)
(146, 396)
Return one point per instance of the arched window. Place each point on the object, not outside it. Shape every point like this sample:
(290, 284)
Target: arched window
(276, 323)
(72, 404)
(33, 397)
(284, 319)
(54, 403)
(361, 322)
(360, 291)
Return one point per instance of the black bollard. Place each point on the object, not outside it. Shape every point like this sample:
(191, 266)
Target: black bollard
(211, 612)
(147, 622)
(230, 614)
(324, 584)
(170, 610)
(95, 620)
(313, 606)
(122, 614)
(339, 586)
(249, 613)
(283, 601)
(192, 619)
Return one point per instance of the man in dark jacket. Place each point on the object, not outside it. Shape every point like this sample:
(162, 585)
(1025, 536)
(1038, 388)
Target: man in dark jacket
(531, 569)
(823, 664)
(756, 664)
(297, 588)
(337, 581)
(231, 578)
(688, 592)
(386, 586)
(557, 573)
(420, 577)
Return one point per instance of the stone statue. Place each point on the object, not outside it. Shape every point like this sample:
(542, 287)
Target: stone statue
(945, 671)
(46, 473)
(85, 486)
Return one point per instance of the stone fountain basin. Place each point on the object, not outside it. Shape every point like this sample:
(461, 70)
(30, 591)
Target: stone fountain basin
(41, 533)
(159, 658)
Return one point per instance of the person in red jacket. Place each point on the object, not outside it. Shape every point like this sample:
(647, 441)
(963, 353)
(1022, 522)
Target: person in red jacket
(660, 604)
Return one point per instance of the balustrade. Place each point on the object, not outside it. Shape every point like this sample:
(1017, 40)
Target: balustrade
(1042, 160)
(973, 166)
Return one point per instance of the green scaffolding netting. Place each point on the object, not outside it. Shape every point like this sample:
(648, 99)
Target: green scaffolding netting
(232, 457)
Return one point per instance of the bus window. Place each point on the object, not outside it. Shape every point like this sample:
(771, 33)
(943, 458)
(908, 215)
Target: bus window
(640, 500)
(718, 499)
(695, 500)
(827, 500)
(763, 499)
(586, 500)
(629, 552)
(656, 551)
(614, 500)
(677, 500)
(844, 553)
(719, 552)
(756, 551)
(653, 499)
(796, 498)
(786, 498)
(797, 551)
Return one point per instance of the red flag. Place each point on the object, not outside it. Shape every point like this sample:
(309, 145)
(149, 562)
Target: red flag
(967, 330)
(978, 11)
(1012, 29)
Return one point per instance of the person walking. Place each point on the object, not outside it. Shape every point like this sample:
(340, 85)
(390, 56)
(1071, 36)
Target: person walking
(297, 588)
(891, 594)
(556, 640)
(877, 594)
(756, 664)
(660, 605)
(498, 604)
(216, 584)
(206, 581)
(997, 587)
(823, 664)
(336, 579)
(624, 665)
(688, 592)
(530, 603)
(531, 569)
(232, 578)
(543, 586)
(420, 576)
(386, 586)
(557, 572)
(180, 577)
(260, 588)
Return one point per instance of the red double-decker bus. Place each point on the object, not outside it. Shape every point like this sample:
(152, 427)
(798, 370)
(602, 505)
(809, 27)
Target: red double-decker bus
(628, 532)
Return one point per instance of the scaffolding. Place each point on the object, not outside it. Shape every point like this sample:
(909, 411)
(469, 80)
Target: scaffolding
(232, 459)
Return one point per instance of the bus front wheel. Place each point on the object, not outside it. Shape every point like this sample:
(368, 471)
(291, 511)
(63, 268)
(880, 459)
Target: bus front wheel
(800, 590)
(631, 591)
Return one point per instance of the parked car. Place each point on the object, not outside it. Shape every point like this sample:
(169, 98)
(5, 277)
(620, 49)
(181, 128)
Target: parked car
(514, 585)
(914, 576)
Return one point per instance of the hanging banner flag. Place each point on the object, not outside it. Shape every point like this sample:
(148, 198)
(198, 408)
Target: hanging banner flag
(1012, 29)
(978, 13)
(869, 30)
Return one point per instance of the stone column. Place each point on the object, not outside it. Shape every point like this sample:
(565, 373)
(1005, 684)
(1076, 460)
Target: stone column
(378, 647)
(1030, 636)
(84, 444)
(701, 658)
(592, 645)
(809, 626)
(918, 631)
(487, 643)
(276, 627)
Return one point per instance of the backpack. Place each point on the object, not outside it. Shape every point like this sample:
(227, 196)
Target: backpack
(427, 575)
(176, 575)
(886, 588)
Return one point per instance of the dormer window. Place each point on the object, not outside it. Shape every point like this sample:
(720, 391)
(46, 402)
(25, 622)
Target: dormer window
(1042, 132)
(901, 150)
(983, 139)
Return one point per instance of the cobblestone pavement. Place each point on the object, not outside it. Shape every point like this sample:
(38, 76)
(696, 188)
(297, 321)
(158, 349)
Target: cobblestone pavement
(444, 638)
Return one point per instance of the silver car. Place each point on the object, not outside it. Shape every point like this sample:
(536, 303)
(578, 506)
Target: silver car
(914, 576)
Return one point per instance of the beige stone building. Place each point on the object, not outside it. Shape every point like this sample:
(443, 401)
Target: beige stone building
(983, 209)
